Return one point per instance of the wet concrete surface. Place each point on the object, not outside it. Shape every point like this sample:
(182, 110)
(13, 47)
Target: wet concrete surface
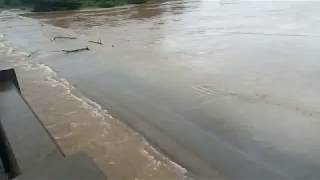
(78, 124)
(222, 87)
(28, 151)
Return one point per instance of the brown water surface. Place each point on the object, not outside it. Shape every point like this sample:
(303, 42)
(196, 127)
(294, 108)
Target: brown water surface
(222, 87)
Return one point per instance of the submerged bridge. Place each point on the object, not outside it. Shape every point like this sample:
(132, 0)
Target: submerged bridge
(26, 148)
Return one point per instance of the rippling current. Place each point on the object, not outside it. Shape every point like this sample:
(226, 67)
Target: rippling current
(223, 87)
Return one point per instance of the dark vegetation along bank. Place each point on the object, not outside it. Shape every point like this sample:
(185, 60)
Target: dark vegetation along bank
(54, 5)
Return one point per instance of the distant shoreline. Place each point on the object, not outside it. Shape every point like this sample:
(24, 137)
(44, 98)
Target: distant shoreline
(54, 5)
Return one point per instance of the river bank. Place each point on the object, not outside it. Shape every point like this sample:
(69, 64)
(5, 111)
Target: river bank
(78, 123)
(56, 5)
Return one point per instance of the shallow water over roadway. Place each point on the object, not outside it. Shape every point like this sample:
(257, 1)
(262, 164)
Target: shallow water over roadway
(225, 88)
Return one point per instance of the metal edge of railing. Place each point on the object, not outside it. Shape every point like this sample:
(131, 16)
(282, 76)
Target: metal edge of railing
(9, 75)
(8, 160)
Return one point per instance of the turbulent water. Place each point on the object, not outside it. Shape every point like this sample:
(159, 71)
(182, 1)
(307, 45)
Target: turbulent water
(79, 124)
(222, 87)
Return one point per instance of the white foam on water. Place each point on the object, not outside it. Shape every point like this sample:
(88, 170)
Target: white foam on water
(10, 51)
(157, 163)
(64, 136)
(97, 111)
(53, 80)
(94, 108)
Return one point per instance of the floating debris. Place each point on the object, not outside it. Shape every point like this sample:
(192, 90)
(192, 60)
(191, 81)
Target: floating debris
(62, 37)
(77, 50)
(96, 42)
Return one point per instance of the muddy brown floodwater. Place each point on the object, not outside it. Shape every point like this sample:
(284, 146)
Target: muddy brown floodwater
(224, 88)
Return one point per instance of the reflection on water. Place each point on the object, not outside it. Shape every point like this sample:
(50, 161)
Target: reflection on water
(116, 16)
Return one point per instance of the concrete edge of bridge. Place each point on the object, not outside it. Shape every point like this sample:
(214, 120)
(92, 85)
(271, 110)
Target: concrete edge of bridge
(27, 150)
